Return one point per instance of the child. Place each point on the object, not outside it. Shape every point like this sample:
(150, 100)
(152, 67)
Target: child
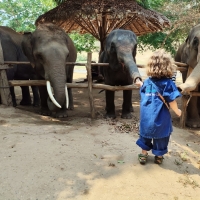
(155, 118)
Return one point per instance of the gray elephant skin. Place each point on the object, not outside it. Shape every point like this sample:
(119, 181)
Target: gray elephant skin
(189, 53)
(120, 51)
(12, 51)
(49, 48)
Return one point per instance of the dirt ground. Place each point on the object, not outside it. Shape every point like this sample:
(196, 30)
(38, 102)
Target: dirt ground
(76, 158)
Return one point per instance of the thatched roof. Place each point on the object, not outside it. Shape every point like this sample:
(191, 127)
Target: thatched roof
(99, 17)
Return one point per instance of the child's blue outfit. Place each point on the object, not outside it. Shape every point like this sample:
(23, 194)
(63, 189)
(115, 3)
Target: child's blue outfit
(155, 118)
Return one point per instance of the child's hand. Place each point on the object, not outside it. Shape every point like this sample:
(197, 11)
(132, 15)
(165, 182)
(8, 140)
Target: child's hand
(178, 112)
(138, 82)
(174, 107)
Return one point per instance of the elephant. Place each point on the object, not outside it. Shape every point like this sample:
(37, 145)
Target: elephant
(189, 53)
(49, 48)
(12, 51)
(119, 51)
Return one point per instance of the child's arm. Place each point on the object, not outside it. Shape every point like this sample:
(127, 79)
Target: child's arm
(174, 107)
(138, 82)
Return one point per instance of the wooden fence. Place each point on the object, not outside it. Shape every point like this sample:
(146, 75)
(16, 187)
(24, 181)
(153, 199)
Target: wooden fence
(5, 84)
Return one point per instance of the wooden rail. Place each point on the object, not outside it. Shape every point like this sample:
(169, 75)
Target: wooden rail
(5, 84)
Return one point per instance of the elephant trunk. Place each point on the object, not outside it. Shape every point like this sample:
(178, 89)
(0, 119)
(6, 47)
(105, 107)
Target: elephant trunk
(133, 69)
(56, 101)
(192, 81)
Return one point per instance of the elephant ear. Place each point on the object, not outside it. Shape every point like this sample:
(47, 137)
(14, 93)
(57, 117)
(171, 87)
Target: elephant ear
(186, 50)
(134, 53)
(104, 57)
(27, 47)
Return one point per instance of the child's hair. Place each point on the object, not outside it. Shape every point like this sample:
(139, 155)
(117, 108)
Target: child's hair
(160, 65)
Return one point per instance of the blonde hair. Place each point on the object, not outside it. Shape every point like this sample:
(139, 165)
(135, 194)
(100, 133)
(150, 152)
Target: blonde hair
(160, 65)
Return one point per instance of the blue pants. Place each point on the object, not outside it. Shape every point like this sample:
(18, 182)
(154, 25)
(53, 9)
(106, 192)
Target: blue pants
(159, 146)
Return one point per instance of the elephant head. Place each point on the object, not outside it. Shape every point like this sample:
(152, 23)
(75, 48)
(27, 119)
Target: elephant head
(191, 55)
(120, 51)
(48, 49)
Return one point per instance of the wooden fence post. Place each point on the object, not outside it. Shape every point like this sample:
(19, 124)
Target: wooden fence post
(89, 76)
(4, 86)
(184, 102)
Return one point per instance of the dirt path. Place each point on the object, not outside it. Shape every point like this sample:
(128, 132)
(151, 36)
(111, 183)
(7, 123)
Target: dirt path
(77, 158)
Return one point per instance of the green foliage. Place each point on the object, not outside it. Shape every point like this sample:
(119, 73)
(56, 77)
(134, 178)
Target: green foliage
(183, 15)
(81, 57)
(58, 2)
(150, 4)
(21, 14)
(158, 40)
(84, 42)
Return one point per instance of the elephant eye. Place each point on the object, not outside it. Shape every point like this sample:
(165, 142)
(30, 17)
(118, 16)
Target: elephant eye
(38, 56)
(195, 43)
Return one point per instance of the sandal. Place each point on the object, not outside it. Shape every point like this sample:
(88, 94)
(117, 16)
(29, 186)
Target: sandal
(142, 158)
(158, 160)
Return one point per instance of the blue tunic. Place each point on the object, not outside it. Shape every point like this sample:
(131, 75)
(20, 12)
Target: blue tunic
(155, 118)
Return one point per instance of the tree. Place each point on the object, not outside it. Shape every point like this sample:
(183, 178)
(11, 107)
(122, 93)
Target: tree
(21, 14)
(85, 42)
(183, 15)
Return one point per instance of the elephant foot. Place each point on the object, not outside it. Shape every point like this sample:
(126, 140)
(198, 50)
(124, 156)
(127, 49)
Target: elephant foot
(36, 104)
(60, 114)
(193, 123)
(45, 112)
(14, 104)
(131, 109)
(25, 103)
(70, 108)
(111, 116)
(127, 116)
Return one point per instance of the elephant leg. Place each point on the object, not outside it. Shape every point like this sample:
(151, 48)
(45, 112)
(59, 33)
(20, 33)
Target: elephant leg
(100, 77)
(36, 97)
(71, 102)
(198, 101)
(127, 107)
(12, 93)
(110, 106)
(26, 97)
(43, 101)
(198, 105)
(69, 75)
(193, 119)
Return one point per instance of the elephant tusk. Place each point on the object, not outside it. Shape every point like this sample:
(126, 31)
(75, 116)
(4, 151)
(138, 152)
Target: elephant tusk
(67, 96)
(51, 94)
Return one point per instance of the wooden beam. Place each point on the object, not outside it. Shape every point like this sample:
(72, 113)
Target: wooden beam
(89, 76)
(4, 86)
(2, 66)
(73, 85)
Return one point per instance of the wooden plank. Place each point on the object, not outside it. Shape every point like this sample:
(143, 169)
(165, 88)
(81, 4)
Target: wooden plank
(73, 85)
(115, 88)
(5, 89)
(183, 66)
(27, 82)
(4, 86)
(1, 55)
(2, 66)
(89, 76)
(184, 102)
